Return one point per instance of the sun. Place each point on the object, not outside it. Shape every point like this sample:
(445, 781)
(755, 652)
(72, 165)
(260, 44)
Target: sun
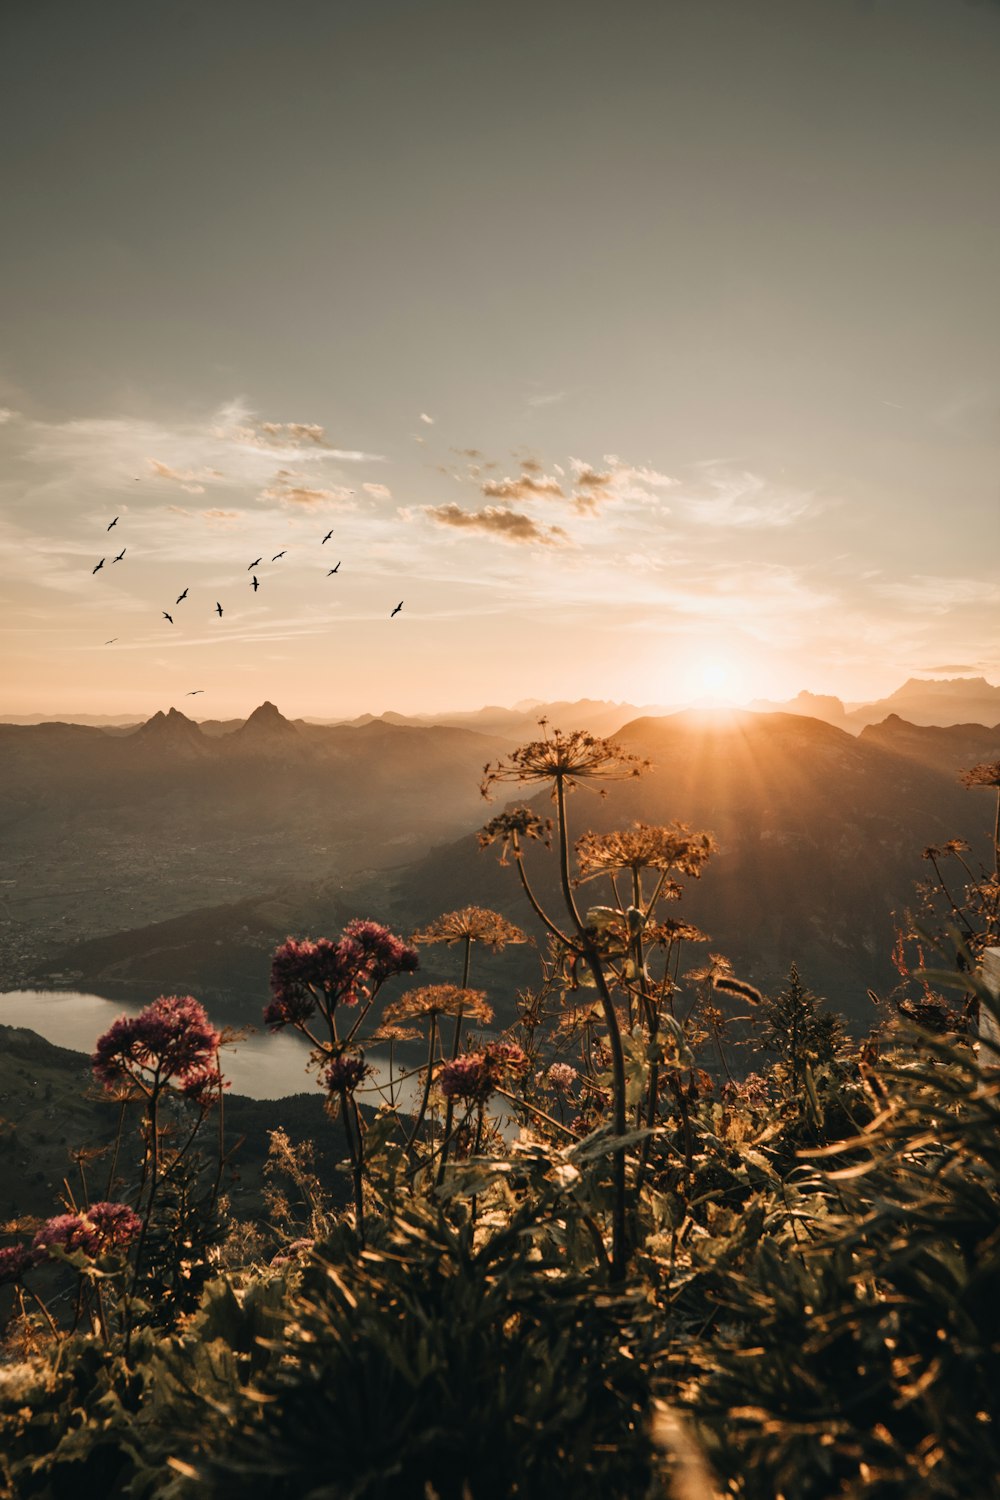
(714, 677)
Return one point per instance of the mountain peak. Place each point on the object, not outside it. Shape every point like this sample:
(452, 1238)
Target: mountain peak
(267, 714)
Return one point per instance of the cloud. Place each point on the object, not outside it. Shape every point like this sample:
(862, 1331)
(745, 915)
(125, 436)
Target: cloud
(508, 525)
(726, 497)
(474, 453)
(525, 487)
(425, 418)
(961, 667)
(299, 494)
(379, 491)
(234, 423)
(931, 594)
(546, 400)
(6, 415)
(188, 479)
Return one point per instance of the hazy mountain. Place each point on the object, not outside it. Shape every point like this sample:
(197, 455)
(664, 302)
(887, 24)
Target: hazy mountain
(106, 832)
(955, 700)
(812, 705)
(820, 839)
(950, 748)
(521, 722)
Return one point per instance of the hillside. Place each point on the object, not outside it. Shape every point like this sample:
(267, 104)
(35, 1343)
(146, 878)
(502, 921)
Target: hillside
(820, 837)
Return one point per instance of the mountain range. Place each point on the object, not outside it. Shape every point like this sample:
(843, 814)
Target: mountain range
(820, 835)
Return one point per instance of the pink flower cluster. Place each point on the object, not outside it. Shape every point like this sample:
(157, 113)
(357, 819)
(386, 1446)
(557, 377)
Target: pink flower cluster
(306, 974)
(560, 1076)
(101, 1229)
(171, 1041)
(474, 1076)
(345, 1072)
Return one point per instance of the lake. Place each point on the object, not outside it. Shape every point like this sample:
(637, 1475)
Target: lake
(263, 1066)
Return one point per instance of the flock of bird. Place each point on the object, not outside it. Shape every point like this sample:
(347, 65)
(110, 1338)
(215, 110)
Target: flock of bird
(254, 584)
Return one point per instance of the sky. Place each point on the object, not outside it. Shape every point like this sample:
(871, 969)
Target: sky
(643, 351)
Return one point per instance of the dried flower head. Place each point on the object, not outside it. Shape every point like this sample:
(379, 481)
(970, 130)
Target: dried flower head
(475, 924)
(564, 759)
(510, 828)
(67, 1232)
(673, 931)
(170, 1041)
(345, 1073)
(468, 1077)
(506, 1059)
(987, 773)
(439, 1000)
(645, 847)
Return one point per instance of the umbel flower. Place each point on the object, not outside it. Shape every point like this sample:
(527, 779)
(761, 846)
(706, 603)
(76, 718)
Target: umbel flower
(474, 924)
(308, 974)
(171, 1041)
(509, 828)
(674, 846)
(439, 1000)
(565, 759)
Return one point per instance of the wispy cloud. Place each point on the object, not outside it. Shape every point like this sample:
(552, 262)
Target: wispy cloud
(425, 418)
(283, 493)
(726, 497)
(378, 491)
(548, 398)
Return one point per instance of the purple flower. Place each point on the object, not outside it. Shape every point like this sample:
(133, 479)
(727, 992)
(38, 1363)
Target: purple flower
(14, 1261)
(385, 954)
(468, 1077)
(306, 974)
(116, 1225)
(167, 1042)
(506, 1057)
(345, 1072)
(67, 1232)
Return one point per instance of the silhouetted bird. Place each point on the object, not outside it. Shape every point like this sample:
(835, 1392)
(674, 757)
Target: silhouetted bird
(166, 616)
(397, 609)
(100, 565)
(254, 584)
(119, 557)
(218, 609)
(333, 570)
(276, 556)
(181, 596)
(112, 641)
(328, 535)
(255, 565)
(193, 692)
(113, 523)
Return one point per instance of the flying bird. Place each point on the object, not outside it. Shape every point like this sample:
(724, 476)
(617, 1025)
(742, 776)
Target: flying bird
(218, 609)
(328, 535)
(113, 523)
(119, 557)
(276, 556)
(332, 571)
(254, 584)
(255, 565)
(166, 616)
(193, 692)
(397, 609)
(112, 641)
(181, 596)
(100, 565)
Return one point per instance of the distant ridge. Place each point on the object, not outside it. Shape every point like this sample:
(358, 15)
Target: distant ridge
(173, 734)
(920, 701)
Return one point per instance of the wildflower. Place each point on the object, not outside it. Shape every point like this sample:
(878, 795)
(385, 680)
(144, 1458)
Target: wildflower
(201, 1085)
(439, 1000)
(297, 1250)
(510, 827)
(14, 1261)
(383, 953)
(506, 1058)
(169, 1041)
(468, 1077)
(565, 759)
(345, 1072)
(560, 1076)
(306, 974)
(644, 847)
(987, 773)
(475, 924)
(67, 1232)
(116, 1225)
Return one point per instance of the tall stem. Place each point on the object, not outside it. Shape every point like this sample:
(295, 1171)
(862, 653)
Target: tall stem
(418, 1122)
(449, 1111)
(619, 1253)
